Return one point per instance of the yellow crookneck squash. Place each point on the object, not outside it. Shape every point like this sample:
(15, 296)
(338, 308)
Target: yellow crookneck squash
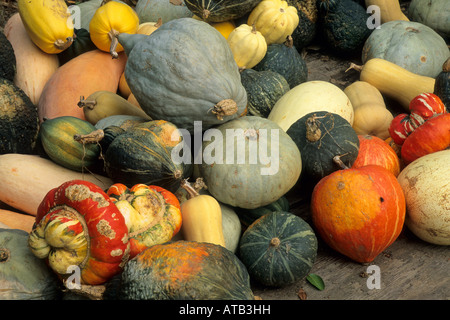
(108, 22)
(48, 23)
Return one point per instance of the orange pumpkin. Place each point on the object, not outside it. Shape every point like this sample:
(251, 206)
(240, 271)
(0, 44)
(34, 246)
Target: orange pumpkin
(374, 150)
(359, 212)
(433, 135)
(85, 74)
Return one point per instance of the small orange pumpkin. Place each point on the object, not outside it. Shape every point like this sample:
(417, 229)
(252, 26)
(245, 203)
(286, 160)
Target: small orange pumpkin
(359, 212)
(374, 150)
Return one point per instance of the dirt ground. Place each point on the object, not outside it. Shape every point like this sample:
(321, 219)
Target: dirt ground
(408, 270)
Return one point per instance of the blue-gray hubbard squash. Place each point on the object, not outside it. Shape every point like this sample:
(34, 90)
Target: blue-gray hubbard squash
(177, 74)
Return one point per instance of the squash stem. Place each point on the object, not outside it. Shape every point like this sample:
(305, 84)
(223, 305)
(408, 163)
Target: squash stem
(226, 107)
(63, 45)
(289, 42)
(275, 242)
(4, 255)
(93, 137)
(446, 66)
(313, 132)
(114, 37)
(86, 103)
(354, 67)
(339, 162)
(193, 191)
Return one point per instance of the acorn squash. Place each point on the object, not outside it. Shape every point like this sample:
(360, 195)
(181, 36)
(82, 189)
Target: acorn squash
(183, 58)
(19, 122)
(264, 89)
(7, 59)
(143, 154)
(182, 270)
(307, 27)
(321, 136)
(287, 61)
(59, 142)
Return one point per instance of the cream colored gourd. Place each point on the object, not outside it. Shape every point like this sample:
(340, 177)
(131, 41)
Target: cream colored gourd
(426, 187)
(389, 10)
(26, 179)
(394, 81)
(202, 218)
(248, 46)
(308, 97)
(48, 23)
(34, 67)
(371, 117)
(102, 104)
(275, 19)
(148, 27)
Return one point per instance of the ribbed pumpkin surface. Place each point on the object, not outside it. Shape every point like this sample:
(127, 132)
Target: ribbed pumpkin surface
(220, 10)
(182, 270)
(278, 249)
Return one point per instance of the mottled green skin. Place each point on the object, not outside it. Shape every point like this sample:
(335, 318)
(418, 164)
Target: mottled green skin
(182, 270)
(81, 43)
(221, 10)
(282, 264)
(248, 216)
(22, 275)
(7, 59)
(264, 88)
(286, 60)
(337, 137)
(142, 154)
(182, 71)
(19, 122)
(307, 27)
(344, 26)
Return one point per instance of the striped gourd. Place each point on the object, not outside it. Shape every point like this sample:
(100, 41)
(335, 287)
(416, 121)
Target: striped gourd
(278, 249)
(220, 10)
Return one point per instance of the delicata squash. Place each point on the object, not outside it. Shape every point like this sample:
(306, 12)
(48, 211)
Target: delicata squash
(48, 23)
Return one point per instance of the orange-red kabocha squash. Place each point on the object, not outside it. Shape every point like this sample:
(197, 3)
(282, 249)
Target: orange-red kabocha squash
(359, 212)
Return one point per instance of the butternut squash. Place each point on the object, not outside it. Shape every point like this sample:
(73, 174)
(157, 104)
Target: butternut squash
(102, 104)
(394, 81)
(83, 75)
(389, 10)
(33, 66)
(26, 179)
(371, 117)
(202, 217)
(16, 220)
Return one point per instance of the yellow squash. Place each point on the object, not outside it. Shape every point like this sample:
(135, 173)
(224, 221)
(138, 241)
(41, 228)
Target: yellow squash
(108, 22)
(202, 218)
(48, 23)
(275, 19)
(389, 10)
(102, 104)
(248, 46)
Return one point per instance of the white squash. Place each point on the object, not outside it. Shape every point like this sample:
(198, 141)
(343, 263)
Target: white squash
(308, 97)
(425, 183)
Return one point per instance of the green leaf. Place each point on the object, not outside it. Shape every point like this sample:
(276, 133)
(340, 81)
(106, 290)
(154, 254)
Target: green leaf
(316, 281)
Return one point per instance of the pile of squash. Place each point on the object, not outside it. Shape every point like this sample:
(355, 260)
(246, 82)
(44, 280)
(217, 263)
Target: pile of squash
(147, 151)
